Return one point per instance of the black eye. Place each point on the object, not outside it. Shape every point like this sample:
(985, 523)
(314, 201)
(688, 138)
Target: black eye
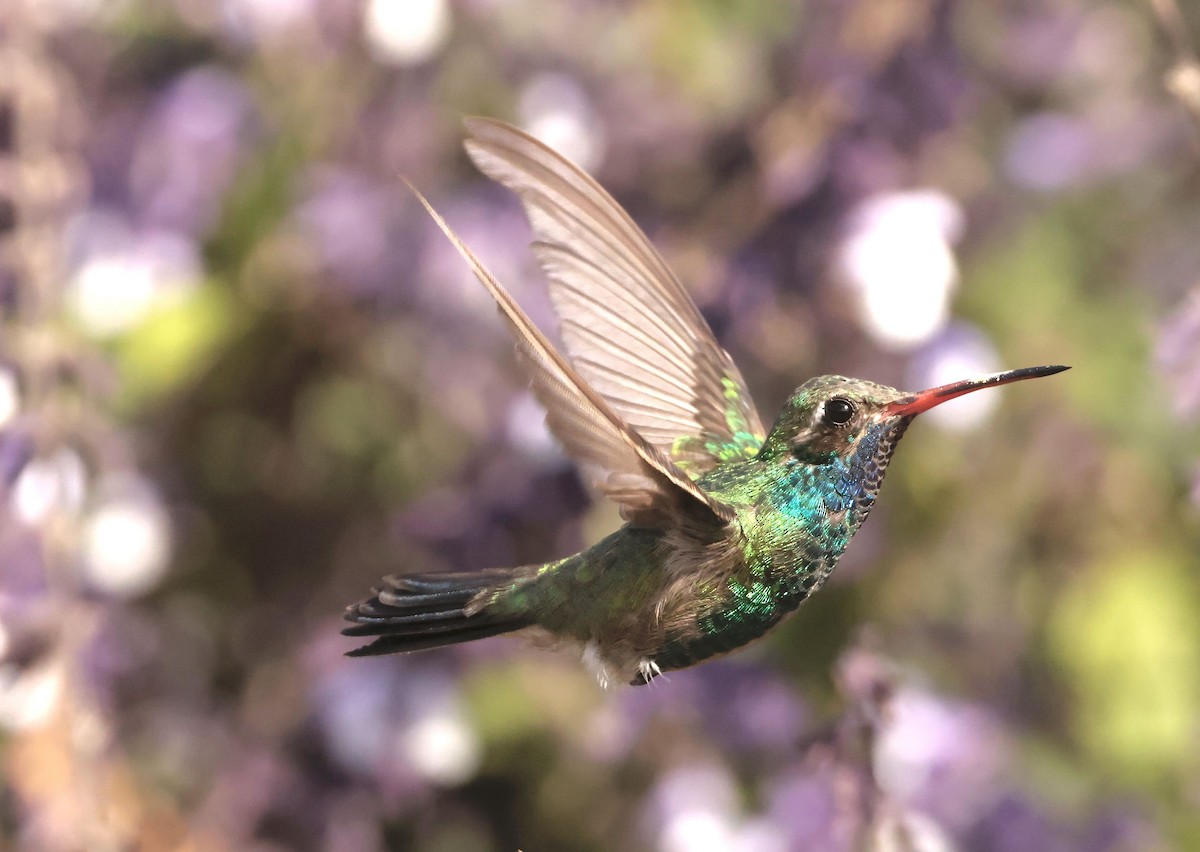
(838, 411)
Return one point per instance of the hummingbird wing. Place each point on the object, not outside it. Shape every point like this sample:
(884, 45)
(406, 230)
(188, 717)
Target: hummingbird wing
(631, 330)
(650, 488)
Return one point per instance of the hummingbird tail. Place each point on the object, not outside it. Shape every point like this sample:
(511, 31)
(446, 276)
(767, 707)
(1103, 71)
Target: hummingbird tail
(430, 610)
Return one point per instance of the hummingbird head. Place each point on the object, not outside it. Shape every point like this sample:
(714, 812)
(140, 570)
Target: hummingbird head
(833, 419)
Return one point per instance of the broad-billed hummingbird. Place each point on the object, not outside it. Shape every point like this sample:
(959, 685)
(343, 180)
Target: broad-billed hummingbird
(728, 527)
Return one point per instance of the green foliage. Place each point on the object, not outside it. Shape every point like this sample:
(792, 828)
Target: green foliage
(176, 343)
(1126, 635)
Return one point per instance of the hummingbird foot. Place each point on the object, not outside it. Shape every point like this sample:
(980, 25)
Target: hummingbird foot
(647, 670)
(609, 672)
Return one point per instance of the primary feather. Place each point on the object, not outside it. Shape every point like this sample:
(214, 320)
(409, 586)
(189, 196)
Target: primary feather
(632, 332)
(650, 488)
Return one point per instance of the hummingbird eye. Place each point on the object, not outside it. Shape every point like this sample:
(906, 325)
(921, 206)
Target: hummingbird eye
(838, 411)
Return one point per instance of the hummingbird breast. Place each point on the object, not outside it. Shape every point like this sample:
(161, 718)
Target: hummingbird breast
(792, 533)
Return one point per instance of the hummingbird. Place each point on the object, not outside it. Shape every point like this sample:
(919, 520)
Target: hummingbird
(728, 526)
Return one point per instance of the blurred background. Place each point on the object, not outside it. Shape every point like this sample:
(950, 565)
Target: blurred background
(242, 377)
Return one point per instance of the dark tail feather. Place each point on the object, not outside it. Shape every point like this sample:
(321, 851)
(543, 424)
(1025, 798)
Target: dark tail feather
(426, 611)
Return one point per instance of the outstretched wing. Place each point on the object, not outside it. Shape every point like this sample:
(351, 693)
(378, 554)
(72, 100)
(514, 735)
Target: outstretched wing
(630, 328)
(649, 487)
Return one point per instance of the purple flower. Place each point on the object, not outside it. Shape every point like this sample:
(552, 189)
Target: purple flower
(939, 756)
(1178, 356)
(1016, 825)
(353, 223)
(190, 149)
(397, 720)
(810, 803)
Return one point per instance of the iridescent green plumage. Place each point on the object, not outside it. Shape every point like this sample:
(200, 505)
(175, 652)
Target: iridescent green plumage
(696, 453)
(729, 527)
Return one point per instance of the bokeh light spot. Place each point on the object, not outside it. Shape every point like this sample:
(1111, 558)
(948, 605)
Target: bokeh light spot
(406, 32)
(897, 259)
(126, 545)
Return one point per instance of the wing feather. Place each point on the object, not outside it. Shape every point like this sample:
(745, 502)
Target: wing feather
(629, 327)
(644, 481)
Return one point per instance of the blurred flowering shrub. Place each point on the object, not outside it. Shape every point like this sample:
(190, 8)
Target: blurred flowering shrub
(241, 377)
